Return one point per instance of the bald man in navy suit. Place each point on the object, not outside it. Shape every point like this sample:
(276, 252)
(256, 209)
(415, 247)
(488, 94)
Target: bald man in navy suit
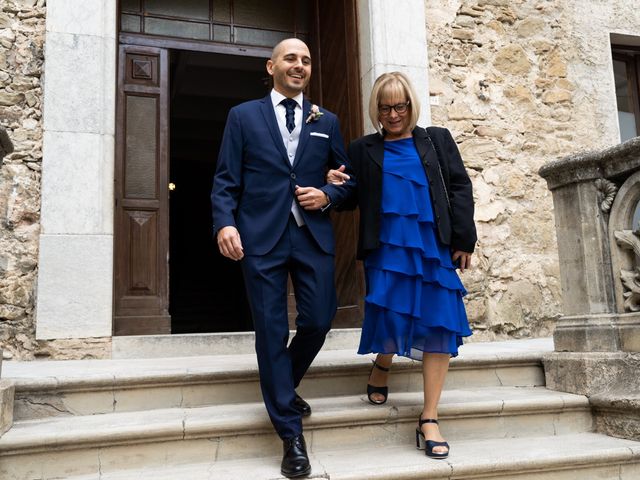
(271, 212)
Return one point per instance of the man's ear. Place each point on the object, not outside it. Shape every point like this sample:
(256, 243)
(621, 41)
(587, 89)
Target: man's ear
(270, 67)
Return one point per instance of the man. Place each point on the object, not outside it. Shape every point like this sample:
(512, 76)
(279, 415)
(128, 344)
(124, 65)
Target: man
(270, 202)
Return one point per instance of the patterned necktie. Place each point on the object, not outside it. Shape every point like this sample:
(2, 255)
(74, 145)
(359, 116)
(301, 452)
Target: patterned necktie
(290, 106)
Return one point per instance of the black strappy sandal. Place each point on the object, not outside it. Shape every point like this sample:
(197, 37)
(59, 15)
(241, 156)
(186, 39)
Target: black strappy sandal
(428, 445)
(384, 391)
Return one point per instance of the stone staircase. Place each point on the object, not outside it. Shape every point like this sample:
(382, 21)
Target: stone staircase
(201, 417)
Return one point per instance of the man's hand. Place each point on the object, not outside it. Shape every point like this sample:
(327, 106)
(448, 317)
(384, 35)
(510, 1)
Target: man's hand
(464, 257)
(229, 243)
(311, 198)
(337, 177)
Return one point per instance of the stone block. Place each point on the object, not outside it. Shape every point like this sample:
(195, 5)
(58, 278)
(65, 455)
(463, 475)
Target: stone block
(7, 391)
(592, 373)
(512, 60)
(400, 46)
(629, 336)
(617, 414)
(81, 305)
(598, 333)
(79, 91)
(82, 17)
(588, 333)
(583, 248)
(77, 183)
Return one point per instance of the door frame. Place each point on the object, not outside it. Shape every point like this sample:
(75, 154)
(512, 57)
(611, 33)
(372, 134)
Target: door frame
(348, 270)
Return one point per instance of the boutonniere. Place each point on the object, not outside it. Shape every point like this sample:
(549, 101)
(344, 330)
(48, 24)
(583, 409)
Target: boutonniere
(314, 114)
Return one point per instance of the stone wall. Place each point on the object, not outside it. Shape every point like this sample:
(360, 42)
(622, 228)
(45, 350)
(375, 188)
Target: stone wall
(521, 83)
(22, 27)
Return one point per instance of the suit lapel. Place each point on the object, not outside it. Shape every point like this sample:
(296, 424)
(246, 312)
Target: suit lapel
(304, 132)
(375, 149)
(270, 118)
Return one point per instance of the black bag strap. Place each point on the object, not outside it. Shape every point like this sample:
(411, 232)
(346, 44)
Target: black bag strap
(440, 159)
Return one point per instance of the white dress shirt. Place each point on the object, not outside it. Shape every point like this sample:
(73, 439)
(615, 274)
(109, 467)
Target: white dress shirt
(290, 140)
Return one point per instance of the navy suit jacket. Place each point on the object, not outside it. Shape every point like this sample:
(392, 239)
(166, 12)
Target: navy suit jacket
(254, 182)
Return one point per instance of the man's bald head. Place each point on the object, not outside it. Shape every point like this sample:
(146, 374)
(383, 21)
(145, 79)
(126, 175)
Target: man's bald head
(290, 67)
(287, 42)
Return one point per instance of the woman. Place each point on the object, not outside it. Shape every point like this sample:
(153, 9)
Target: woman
(416, 227)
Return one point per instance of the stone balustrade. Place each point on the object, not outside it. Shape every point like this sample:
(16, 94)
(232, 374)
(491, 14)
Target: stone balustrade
(596, 198)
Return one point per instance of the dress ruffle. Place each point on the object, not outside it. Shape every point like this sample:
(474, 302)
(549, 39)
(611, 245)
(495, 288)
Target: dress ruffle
(414, 295)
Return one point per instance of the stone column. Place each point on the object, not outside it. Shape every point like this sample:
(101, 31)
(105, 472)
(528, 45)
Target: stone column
(393, 37)
(597, 340)
(75, 268)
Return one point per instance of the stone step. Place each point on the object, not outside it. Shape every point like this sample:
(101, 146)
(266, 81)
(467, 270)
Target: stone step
(566, 457)
(89, 444)
(84, 387)
(197, 344)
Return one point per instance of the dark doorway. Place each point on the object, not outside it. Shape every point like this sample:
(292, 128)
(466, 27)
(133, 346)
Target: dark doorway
(206, 290)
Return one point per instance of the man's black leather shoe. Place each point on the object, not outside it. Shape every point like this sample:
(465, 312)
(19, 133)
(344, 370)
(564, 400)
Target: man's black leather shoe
(303, 407)
(295, 462)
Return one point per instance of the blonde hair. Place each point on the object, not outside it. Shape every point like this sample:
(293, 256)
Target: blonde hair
(393, 84)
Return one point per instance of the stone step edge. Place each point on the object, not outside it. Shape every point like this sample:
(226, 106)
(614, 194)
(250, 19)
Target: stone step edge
(248, 419)
(559, 460)
(512, 467)
(248, 372)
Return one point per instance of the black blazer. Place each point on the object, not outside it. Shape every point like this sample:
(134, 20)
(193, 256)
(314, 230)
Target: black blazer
(449, 185)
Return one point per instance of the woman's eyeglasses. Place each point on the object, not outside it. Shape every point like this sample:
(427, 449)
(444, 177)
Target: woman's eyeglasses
(400, 108)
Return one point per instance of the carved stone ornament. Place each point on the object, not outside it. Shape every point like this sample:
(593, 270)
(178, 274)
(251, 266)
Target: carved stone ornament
(630, 240)
(606, 193)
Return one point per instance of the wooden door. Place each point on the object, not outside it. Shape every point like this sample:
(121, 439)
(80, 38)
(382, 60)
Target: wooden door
(336, 85)
(141, 193)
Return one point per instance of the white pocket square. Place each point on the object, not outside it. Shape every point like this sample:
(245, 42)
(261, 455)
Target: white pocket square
(318, 134)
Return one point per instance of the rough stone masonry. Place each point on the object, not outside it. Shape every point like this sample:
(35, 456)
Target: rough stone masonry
(22, 27)
(521, 83)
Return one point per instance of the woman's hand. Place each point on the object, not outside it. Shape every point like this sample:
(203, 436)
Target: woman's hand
(463, 257)
(337, 177)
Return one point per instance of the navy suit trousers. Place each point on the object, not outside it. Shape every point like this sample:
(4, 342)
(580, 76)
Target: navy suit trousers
(282, 367)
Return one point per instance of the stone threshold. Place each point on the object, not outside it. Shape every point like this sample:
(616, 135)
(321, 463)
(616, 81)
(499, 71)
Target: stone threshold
(195, 344)
(240, 343)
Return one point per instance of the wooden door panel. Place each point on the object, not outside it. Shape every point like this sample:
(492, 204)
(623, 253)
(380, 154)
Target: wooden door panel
(337, 86)
(141, 226)
(143, 274)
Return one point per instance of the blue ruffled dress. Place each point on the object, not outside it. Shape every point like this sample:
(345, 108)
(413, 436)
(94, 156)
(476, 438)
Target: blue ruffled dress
(414, 295)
